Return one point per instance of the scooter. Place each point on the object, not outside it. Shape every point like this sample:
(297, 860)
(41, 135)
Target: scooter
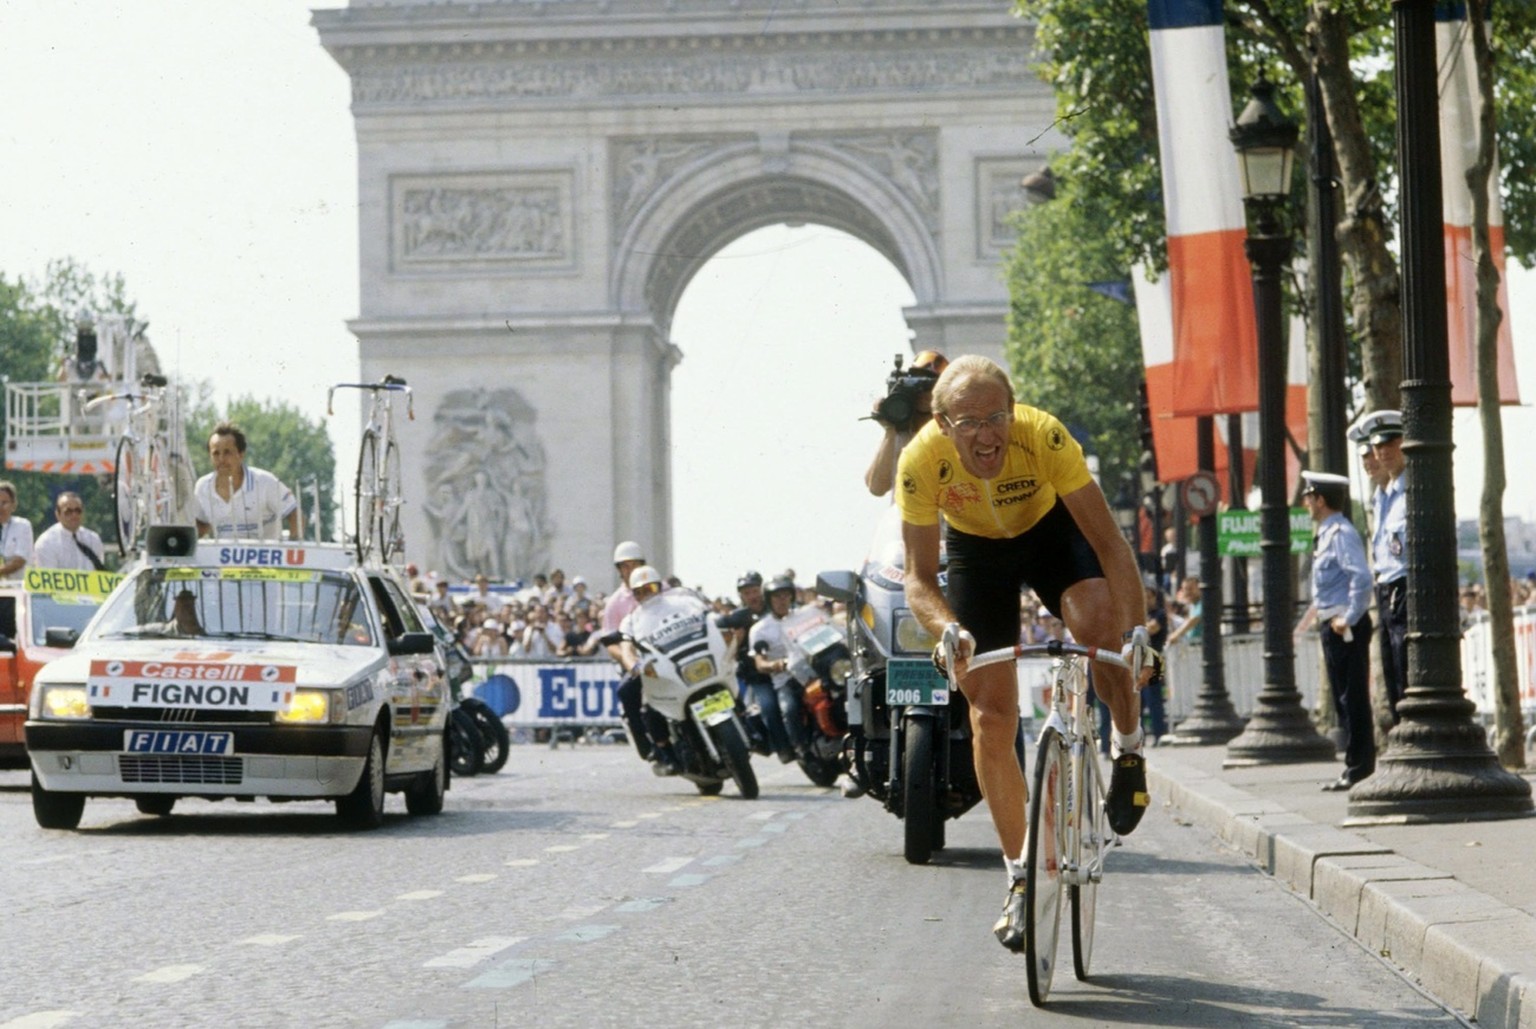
(819, 658)
(909, 738)
(687, 671)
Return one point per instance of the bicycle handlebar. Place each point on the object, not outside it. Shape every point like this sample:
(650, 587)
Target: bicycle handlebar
(389, 384)
(1053, 648)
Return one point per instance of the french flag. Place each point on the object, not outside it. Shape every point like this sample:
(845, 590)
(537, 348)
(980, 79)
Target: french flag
(1215, 342)
(1458, 152)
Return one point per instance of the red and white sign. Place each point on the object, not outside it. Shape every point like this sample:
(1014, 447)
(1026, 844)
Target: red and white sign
(195, 684)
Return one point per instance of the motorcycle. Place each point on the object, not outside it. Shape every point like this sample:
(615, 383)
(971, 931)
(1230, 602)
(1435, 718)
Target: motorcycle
(819, 659)
(687, 670)
(909, 739)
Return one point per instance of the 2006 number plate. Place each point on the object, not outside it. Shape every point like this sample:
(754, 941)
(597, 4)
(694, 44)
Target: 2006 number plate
(914, 681)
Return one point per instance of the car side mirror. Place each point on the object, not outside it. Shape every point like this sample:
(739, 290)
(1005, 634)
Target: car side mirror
(412, 643)
(838, 585)
(60, 636)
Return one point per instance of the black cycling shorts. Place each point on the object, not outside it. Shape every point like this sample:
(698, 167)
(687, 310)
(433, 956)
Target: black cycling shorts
(986, 575)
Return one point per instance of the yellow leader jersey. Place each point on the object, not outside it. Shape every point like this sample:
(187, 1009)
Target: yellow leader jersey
(1043, 462)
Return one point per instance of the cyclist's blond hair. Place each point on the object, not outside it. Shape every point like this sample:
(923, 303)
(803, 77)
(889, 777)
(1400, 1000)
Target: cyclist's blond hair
(964, 370)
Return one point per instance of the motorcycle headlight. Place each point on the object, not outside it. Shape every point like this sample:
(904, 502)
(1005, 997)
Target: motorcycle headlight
(911, 637)
(841, 669)
(65, 702)
(697, 670)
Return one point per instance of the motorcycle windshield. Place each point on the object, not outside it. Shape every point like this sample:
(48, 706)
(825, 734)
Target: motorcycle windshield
(670, 620)
(887, 558)
(811, 630)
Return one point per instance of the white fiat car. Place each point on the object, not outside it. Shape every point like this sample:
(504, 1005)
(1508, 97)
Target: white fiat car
(244, 669)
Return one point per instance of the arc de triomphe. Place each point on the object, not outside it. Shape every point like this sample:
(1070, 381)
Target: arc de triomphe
(539, 179)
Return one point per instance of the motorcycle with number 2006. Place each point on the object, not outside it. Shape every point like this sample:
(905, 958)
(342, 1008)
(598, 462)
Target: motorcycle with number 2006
(909, 739)
(686, 672)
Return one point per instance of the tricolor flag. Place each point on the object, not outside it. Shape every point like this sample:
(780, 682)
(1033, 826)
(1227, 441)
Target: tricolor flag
(1215, 343)
(1458, 151)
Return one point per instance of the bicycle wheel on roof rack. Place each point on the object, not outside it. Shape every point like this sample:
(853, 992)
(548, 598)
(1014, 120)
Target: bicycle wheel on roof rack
(366, 495)
(391, 540)
(129, 514)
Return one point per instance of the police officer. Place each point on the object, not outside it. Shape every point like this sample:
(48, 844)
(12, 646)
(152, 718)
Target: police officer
(1341, 592)
(1389, 531)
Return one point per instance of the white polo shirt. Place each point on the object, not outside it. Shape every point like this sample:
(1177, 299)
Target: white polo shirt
(16, 541)
(257, 510)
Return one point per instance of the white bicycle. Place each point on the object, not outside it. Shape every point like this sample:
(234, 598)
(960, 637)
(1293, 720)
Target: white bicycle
(152, 478)
(378, 491)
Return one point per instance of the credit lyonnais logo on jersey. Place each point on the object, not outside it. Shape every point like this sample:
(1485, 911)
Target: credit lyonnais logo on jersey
(1015, 491)
(194, 684)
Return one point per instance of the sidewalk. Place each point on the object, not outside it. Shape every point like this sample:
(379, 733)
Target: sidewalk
(1453, 905)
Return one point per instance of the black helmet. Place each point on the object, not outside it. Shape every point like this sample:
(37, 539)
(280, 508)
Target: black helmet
(780, 582)
(749, 579)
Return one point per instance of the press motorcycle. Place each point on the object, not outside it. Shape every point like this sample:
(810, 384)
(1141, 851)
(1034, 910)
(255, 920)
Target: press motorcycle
(909, 736)
(819, 659)
(687, 672)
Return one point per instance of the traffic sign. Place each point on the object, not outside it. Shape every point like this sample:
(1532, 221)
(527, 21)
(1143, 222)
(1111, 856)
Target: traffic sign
(1201, 493)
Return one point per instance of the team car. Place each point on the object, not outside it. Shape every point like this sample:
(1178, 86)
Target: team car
(244, 669)
(41, 614)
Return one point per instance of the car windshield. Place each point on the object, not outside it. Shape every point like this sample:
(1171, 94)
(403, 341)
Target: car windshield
(60, 611)
(294, 605)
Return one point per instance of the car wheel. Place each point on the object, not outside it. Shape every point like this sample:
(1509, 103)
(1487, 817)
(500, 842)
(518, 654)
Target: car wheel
(425, 796)
(154, 804)
(56, 810)
(363, 808)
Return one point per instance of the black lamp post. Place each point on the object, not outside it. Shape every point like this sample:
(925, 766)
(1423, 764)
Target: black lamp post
(1437, 766)
(1280, 729)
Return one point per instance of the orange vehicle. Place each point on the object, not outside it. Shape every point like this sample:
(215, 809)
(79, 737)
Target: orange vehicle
(40, 617)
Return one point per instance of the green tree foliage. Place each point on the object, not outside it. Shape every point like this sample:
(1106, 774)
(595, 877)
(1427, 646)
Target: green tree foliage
(1074, 351)
(37, 332)
(280, 439)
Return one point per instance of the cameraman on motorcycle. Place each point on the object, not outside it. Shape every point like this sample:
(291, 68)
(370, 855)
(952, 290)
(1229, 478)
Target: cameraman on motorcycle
(906, 407)
(770, 652)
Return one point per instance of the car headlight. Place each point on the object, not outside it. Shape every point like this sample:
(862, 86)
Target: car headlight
(61, 702)
(312, 707)
(911, 637)
(697, 670)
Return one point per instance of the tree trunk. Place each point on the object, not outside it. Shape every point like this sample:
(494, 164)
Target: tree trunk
(1509, 733)
(1364, 234)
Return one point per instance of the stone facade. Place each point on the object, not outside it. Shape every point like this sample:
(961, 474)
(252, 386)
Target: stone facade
(540, 179)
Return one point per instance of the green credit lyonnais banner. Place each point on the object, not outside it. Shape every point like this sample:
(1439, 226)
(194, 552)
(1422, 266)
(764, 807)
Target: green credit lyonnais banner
(1237, 533)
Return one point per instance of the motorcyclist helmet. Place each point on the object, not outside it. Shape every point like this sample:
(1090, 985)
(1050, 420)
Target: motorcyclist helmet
(645, 582)
(749, 579)
(629, 550)
(779, 583)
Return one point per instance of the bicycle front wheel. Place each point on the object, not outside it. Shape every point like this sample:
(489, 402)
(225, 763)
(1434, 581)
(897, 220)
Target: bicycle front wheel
(1091, 837)
(128, 505)
(1044, 859)
(366, 495)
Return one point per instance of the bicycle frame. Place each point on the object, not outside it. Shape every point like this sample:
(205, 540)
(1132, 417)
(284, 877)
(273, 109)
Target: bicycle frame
(377, 486)
(147, 463)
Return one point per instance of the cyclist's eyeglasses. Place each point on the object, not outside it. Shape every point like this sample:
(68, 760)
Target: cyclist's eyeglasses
(971, 426)
(71, 510)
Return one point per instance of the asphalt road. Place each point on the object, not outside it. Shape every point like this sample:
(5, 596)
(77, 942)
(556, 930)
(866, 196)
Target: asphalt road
(575, 889)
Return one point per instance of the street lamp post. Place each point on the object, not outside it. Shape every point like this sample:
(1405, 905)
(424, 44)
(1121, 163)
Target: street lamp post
(1437, 766)
(1280, 729)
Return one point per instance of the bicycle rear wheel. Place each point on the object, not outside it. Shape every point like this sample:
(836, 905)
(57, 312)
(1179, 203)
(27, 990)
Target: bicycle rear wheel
(1044, 859)
(366, 495)
(1091, 838)
(391, 541)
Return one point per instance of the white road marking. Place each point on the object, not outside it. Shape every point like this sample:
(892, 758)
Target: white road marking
(474, 952)
(576, 911)
(774, 827)
(522, 862)
(477, 877)
(40, 1020)
(353, 916)
(420, 895)
(169, 974)
(761, 816)
(668, 865)
(752, 841)
(416, 1025)
(691, 879)
(594, 836)
(510, 973)
(561, 848)
(630, 824)
(588, 933)
(723, 859)
(268, 939)
(630, 907)
(650, 814)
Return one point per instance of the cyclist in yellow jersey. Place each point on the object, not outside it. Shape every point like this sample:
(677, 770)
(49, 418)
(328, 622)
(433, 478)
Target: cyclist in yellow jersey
(1022, 510)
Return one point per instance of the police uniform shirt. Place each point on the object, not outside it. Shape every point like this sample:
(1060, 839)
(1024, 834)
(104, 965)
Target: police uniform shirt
(1341, 580)
(16, 540)
(56, 549)
(256, 510)
(1391, 507)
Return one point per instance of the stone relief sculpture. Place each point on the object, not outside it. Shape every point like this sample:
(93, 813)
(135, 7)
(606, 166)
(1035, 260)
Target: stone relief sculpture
(481, 224)
(641, 165)
(909, 160)
(485, 487)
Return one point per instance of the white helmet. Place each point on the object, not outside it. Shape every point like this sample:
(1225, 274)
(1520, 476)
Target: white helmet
(643, 577)
(629, 550)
